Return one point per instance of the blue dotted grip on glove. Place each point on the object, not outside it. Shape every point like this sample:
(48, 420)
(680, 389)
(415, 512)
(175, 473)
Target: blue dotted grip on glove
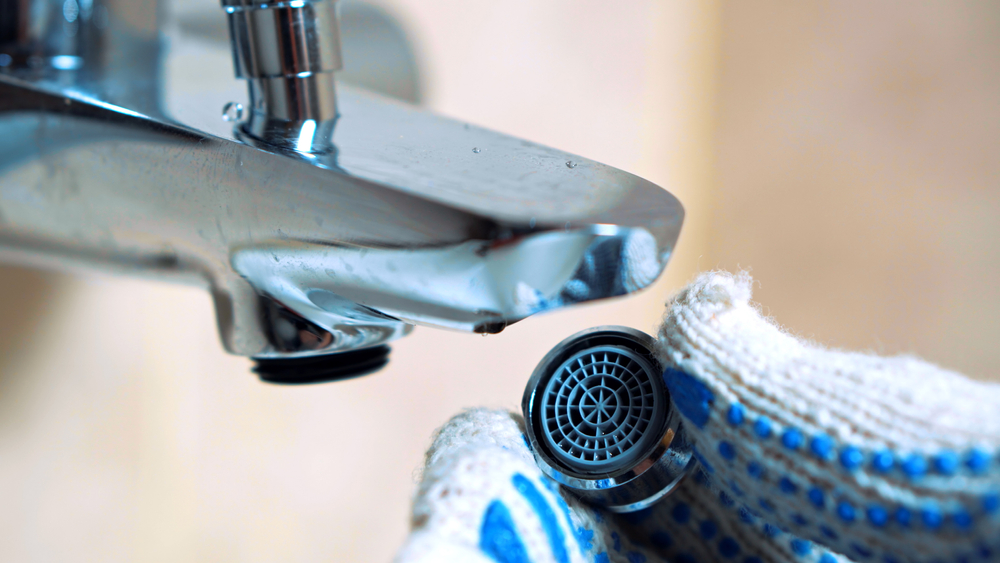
(963, 513)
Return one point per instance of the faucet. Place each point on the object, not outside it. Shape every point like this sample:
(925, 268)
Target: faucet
(324, 220)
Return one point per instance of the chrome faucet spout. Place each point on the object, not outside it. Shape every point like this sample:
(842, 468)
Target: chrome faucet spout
(319, 243)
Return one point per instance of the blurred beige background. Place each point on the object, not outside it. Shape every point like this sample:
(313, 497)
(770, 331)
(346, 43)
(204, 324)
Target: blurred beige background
(847, 153)
(858, 172)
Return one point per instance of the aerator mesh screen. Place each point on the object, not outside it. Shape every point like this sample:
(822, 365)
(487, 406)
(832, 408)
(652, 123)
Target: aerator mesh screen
(597, 406)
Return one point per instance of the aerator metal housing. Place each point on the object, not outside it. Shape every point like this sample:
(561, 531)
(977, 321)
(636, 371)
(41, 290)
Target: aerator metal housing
(600, 421)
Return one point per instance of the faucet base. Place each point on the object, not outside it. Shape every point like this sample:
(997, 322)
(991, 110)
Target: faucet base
(322, 369)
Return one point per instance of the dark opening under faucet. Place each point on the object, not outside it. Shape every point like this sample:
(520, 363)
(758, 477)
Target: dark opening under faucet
(325, 221)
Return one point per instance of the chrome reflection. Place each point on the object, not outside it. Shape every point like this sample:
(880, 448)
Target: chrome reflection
(477, 286)
(328, 324)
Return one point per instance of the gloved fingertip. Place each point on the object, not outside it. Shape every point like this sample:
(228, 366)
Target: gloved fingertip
(495, 427)
(717, 289)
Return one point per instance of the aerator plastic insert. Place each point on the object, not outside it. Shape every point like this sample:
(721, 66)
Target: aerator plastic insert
(599, 419)
(597, 406)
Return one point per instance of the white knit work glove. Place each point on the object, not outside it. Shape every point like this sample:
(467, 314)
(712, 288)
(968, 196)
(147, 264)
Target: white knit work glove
(806, 454)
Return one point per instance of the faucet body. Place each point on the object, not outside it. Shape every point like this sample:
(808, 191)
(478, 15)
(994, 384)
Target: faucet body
(317, 234)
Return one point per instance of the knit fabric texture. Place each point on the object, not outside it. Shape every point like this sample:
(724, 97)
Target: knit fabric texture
(805, 454)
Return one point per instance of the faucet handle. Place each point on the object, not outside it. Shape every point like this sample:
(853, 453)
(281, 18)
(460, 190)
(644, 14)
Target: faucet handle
(287, 51)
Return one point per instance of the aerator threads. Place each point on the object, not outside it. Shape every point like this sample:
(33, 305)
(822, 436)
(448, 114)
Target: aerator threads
(600, 422)
(322, 369)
